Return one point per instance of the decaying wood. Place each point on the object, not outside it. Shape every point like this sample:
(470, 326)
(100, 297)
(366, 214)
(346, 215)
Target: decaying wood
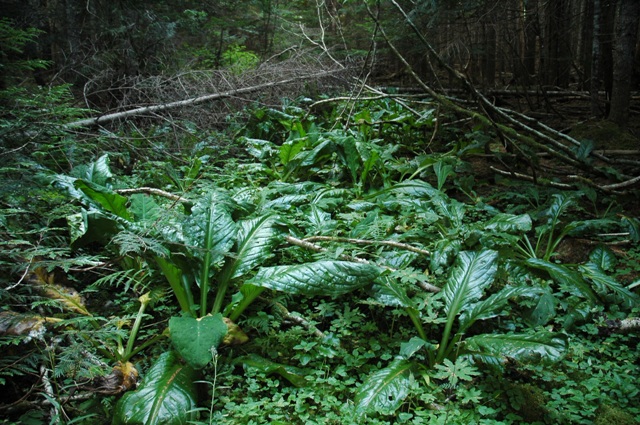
(630, 324)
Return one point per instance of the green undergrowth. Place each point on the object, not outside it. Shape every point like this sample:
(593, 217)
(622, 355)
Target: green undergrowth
(354, 265)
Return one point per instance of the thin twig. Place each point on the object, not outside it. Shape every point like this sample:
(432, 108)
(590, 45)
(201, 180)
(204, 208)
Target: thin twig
(297, 318)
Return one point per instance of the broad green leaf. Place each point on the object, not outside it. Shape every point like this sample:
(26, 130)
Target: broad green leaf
(442, 171)
(104, 198)
(603, 257)
(492, 306)
(209, 232)
(543, 311)
(558, 205)
(290, 149)
(167, 396)
(240, 301)
(471, 274)
(92, 226)
(195, 338)
(319, 278)
(388, 292)
(97, 172)
(564, 275)
(386, 389)
(633, 224)
(409, 348)
(352, 156)
(173, 274)
(292, 374)
(543, 347)
(605, 284)
(255, 242)
(450, 209)
(443, 253)
(509, 223)
(319, 153)
(415, 188)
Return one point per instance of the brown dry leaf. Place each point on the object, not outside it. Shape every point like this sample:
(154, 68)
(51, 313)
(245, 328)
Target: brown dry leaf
(69, 297)
(123, 377)
(234, 335)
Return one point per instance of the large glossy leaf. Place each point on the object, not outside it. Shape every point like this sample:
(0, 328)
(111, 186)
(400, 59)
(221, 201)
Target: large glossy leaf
(167, 396)
(386, 389)
(415, 188)
(174, 276)
(390, 293)
(509, 223)
(564, 275)
(104, 198)
(604, 258)
(471, 274)
(195, 338)
(255, 242)
(98, 172)
(318, 278)
(210, 232)
(492, 306)
(540, 347)
(606, 284)
(92, 226)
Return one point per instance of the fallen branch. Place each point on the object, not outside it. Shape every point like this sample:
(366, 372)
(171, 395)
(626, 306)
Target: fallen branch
(394, 244)
(297, 319)
(153, 191)
(196, 100)
(620, 326)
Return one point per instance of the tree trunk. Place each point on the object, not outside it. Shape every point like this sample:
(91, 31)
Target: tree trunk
(626, 33)
(596, 61)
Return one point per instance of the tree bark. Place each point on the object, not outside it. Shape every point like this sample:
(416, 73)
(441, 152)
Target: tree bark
(626, 35)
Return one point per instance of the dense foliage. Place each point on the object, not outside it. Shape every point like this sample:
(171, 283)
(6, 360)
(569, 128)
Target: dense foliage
(350, 264)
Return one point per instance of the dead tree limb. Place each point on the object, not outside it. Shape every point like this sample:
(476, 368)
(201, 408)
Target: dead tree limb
(394, 244)
(508, 124)
(195, 100)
